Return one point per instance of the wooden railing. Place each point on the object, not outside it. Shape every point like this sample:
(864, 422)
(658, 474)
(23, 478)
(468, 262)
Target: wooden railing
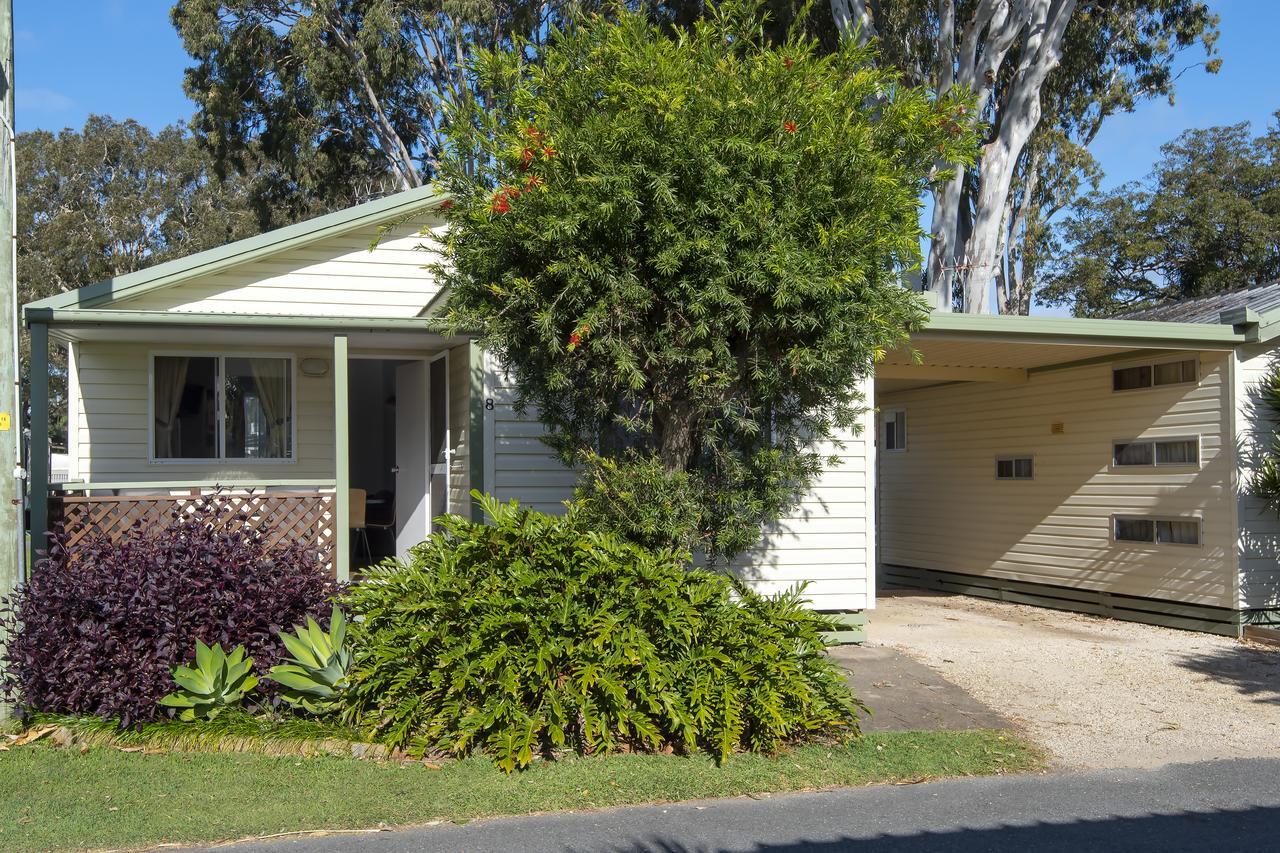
(280, 516)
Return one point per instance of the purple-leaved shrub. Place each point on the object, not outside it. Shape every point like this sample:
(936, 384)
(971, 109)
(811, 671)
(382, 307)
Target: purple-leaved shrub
(100, 625)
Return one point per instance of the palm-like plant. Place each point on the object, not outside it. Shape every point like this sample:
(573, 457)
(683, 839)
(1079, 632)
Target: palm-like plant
(319, 662)
(217, 681)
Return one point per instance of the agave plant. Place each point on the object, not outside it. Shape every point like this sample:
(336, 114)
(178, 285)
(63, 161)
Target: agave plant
(319, 661)
(217, 681)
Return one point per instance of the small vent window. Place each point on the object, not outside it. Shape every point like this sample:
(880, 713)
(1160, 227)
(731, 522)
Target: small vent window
(1014, 468)
(1137, 376)
(895, 430)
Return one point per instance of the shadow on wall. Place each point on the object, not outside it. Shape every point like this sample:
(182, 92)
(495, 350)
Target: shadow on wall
(1182, 831)
(1251, 671)
(1259, 525)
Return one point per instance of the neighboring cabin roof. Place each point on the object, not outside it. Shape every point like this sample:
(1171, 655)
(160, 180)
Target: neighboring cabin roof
(382, 211)
(1208, 309)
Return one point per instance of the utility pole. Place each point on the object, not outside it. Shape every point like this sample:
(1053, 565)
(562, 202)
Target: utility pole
(13, 557)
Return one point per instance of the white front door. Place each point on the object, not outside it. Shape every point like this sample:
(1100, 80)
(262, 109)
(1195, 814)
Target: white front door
(413, 508)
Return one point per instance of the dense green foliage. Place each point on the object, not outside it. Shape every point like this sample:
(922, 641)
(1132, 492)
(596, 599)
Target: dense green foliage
(1205, 220)
(529, 636)
(692, 245)
(343, 93)
(216, 682)
(316, 670)
(635, 497)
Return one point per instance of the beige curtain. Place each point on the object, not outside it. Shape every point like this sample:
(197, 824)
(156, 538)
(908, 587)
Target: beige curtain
(170, 380)
(272, 379)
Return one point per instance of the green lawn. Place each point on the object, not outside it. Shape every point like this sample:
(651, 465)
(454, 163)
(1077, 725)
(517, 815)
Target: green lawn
(57, 799)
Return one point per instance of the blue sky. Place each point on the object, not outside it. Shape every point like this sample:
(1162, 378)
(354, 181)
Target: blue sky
(122, 58)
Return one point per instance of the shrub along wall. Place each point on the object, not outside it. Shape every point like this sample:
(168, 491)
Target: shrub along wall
(532, 635)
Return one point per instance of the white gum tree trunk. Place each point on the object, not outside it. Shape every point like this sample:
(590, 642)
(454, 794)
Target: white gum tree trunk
(974, 57)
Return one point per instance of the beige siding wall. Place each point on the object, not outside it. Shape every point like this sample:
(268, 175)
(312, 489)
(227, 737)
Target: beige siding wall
(459, 430)
(826, 541)
(942, 508)
(109, 421)
(1259, 542)
(337, 277)
(517, 463)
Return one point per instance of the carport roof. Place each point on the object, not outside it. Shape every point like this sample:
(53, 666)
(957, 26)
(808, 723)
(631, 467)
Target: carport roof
(984, 348)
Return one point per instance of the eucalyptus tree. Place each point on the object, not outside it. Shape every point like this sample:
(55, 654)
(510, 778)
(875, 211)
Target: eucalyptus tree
(1045, 74)
(342, 90)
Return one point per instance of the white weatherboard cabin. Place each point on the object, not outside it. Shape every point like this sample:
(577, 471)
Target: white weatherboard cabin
(1094, 465)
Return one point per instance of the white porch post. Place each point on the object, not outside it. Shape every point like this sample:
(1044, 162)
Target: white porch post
(341, 463)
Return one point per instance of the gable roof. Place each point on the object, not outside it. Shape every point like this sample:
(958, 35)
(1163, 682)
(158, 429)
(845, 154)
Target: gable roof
(381, 211)
(1209, 309)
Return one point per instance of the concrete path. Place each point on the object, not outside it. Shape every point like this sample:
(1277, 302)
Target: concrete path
(1224, 805)
(907, 695)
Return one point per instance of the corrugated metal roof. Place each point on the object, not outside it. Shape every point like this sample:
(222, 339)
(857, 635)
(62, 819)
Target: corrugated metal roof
(1207, 308)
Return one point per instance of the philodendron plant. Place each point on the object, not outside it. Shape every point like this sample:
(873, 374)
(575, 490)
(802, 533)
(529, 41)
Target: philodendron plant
(318, 664)
(216, 682)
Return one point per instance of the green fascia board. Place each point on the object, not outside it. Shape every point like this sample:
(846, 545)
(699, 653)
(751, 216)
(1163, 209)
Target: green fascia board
(383, 210)
(1269, 328)
(80, 317)
(1079, 330)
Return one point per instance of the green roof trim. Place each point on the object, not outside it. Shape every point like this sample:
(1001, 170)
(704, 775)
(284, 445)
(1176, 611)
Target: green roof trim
(392, 207)
(1079, 330)
(80, 317)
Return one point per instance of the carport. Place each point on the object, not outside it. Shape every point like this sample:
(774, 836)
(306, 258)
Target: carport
(1081, 464)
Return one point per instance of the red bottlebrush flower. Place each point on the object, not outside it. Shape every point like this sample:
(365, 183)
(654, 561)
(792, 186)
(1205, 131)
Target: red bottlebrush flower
(511, 192)
(500, 205)
(526, 158)
(532, 182)
(447, 204)
(789, 126)
(548, 151)
(788, 62)
(575, 339)
(532, 132)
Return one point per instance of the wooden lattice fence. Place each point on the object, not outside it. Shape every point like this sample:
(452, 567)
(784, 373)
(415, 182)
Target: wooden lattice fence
(280, 517)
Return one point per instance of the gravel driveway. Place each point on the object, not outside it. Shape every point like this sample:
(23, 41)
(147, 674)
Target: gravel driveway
(1096, 692)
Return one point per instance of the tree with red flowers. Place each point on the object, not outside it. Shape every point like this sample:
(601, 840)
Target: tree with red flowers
(689, 246)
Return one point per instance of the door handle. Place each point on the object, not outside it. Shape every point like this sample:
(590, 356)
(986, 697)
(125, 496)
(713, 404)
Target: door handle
(395, 469)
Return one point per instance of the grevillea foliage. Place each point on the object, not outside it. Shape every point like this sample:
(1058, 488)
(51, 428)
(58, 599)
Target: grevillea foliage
(101, 625)
(531, 636)
(691, 243)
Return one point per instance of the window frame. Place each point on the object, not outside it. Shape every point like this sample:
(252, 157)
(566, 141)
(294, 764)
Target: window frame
(884, 421)
(1015, 458)
(1155, 520)
(1153, 363)
(220, 404)
(1155, 453)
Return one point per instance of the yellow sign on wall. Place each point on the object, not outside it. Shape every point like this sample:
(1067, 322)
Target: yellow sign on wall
(5, 421)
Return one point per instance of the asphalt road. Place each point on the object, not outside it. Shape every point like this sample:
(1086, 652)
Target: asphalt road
(1214, 806)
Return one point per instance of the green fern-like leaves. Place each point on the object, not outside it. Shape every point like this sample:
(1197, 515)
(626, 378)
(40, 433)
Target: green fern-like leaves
(531, 635)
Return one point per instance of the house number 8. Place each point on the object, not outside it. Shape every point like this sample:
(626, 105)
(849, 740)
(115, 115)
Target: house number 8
(488, 404)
